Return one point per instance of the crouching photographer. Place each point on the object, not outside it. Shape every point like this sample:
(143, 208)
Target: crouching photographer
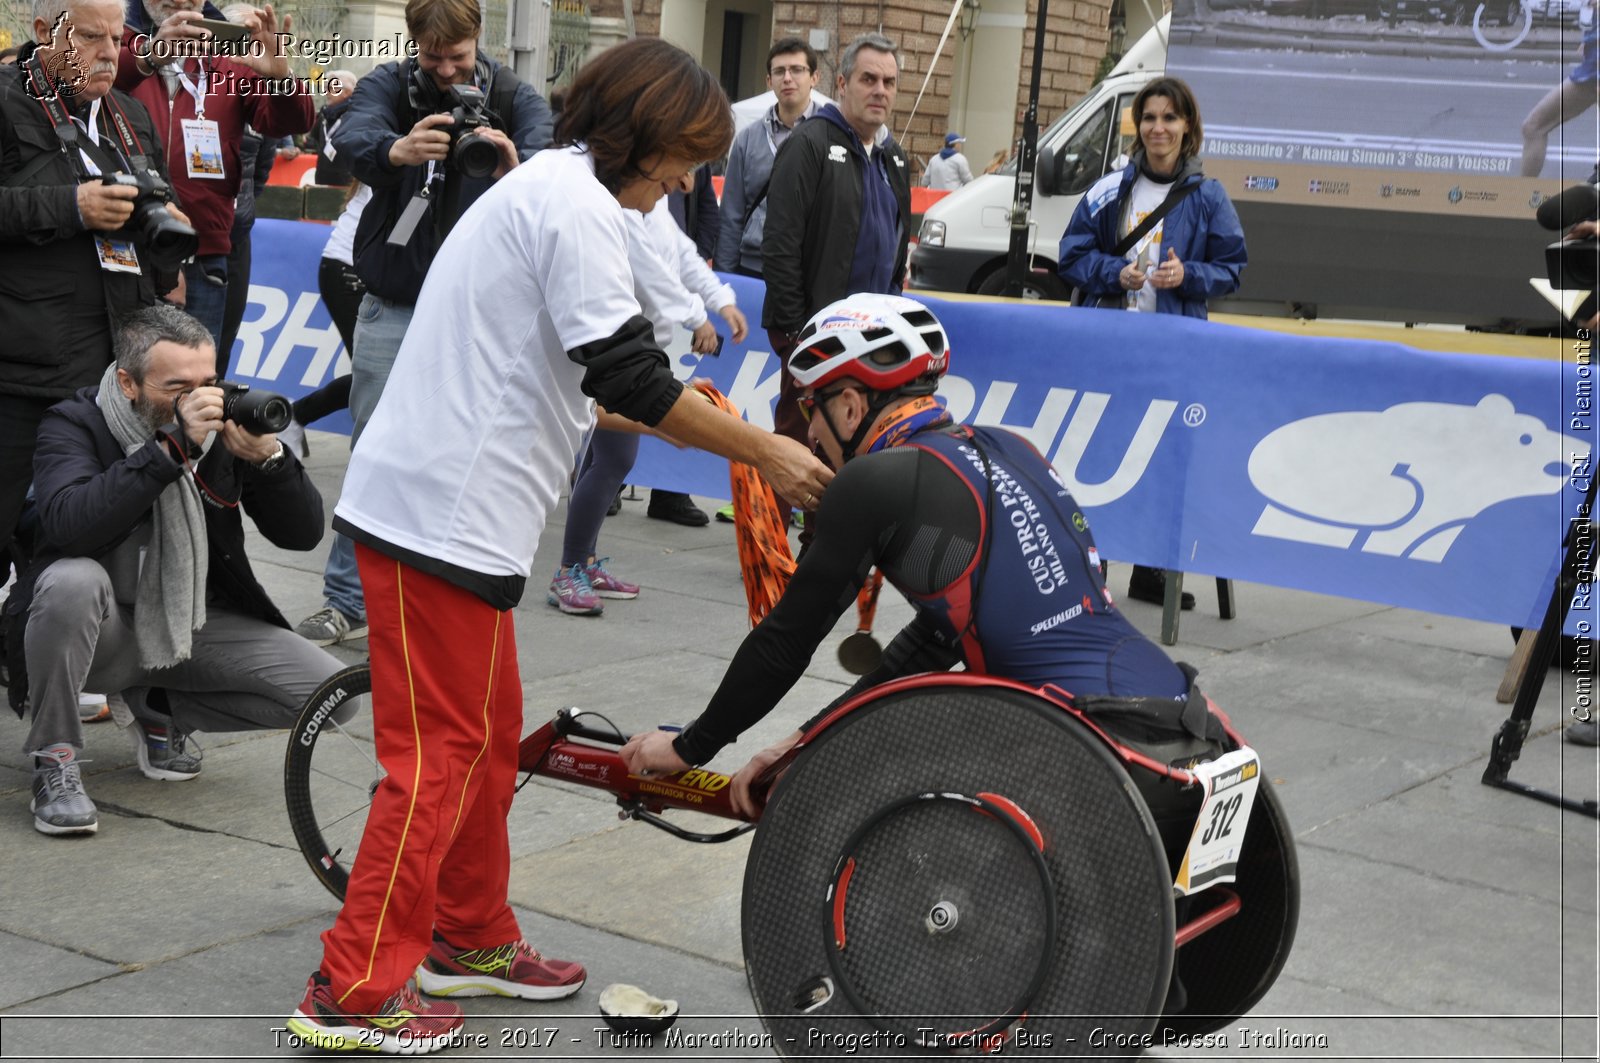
(430, 135)
(81, 180)
(140, 581)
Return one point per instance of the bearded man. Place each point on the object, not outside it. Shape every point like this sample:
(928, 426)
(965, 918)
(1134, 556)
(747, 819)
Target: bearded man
(140, 581)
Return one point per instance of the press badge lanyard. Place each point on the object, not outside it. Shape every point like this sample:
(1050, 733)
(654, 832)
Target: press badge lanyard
(196, 88)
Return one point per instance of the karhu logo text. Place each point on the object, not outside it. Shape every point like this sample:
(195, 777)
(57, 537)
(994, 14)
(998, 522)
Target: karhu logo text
(1403, 482)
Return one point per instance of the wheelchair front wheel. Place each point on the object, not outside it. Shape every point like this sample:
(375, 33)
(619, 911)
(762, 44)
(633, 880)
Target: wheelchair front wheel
(330, 772)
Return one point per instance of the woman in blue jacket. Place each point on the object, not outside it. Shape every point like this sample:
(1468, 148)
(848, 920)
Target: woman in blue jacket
(1193, 253)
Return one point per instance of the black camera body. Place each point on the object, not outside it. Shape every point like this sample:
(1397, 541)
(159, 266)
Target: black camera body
(471, 153)
(165, 240)
(257, 412)
(1572, 265)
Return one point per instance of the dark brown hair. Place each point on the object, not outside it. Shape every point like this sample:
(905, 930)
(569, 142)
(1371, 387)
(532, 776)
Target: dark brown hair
(785, 45)
(642, 98)
(435, 23)
(1182, 97)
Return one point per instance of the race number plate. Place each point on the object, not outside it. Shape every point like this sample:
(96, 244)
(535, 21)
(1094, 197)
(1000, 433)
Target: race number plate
(1213, 855)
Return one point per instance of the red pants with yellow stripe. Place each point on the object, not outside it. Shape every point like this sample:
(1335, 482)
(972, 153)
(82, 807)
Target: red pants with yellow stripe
(447, 717)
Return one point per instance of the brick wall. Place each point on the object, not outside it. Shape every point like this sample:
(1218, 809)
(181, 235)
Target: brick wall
(1075, 42)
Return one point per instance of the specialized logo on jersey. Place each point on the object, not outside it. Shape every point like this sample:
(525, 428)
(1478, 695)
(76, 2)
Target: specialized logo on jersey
(1403, 481)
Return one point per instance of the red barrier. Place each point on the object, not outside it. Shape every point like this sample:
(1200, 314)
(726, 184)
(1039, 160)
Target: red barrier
(292, 172)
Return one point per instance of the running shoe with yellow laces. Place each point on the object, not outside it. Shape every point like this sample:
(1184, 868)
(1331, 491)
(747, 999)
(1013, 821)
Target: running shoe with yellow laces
(511, 970)
(406, 1025)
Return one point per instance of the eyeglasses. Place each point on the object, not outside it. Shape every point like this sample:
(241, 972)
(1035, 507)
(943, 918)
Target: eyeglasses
(807, 403)
(796, 72)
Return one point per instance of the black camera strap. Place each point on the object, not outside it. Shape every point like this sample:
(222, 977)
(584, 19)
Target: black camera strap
(131, 156)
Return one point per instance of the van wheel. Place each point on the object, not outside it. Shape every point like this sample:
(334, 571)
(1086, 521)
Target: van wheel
(1036, 285)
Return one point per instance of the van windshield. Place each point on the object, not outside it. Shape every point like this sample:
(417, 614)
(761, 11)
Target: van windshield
(1010, 167)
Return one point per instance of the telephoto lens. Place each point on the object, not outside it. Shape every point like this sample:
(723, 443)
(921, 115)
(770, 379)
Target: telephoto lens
(257, 412)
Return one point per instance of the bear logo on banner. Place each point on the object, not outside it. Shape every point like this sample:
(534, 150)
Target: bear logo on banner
(1407, 478)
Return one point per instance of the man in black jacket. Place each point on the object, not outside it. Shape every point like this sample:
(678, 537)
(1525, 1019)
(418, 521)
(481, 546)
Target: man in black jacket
(62, 285)
(395, 136)
(140, 582)
(838, 208)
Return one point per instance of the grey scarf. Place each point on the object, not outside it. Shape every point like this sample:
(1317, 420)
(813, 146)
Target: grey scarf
(170, 604)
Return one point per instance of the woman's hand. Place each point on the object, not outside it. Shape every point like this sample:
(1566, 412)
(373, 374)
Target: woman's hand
(1169, 274)
(736, 322)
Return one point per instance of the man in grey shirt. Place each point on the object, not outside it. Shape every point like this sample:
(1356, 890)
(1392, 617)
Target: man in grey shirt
(791, 75)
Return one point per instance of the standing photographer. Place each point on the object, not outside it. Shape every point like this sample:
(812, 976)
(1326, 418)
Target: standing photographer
(406, 135)
(201, 103)
(63, 279)
(141, 583)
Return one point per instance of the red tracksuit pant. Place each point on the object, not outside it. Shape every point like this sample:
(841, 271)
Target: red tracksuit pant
(447, 717)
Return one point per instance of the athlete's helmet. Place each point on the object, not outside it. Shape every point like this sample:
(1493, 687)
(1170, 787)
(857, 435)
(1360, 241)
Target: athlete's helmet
(882, 342)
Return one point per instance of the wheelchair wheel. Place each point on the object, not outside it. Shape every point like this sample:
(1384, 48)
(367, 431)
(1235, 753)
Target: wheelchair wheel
(330, 772)
(957, 868)
(1228, 969)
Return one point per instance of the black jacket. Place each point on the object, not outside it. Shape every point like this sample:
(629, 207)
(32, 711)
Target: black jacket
(58, 308)
(379, 114)
(90, 498)
(814, 217)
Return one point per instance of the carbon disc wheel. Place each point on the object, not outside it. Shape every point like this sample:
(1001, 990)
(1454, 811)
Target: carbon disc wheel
(1000, 864)
(330, 772)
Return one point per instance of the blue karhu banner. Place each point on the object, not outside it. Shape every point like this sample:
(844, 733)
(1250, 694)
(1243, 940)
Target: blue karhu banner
(1371, 470)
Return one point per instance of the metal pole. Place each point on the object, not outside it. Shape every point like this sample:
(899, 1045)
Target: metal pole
(529, 25)
(1018, 261)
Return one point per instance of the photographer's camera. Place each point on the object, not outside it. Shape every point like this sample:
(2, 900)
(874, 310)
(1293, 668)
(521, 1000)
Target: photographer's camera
(257, 412)
(166, 241)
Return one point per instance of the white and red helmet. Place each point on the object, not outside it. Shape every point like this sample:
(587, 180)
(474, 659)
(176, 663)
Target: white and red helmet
(882, 342)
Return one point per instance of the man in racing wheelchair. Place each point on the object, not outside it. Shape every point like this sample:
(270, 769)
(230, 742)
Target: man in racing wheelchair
(971, 524)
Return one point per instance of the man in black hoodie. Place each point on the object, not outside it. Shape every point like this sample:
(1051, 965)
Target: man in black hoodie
(838, 208)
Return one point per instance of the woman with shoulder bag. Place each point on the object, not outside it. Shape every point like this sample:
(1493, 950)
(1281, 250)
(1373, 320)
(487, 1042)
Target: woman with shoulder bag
(1157, 236)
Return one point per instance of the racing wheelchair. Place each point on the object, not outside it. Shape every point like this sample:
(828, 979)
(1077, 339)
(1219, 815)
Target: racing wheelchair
(947, 864)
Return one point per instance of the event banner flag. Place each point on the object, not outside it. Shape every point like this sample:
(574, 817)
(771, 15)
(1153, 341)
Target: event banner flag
(1372, 470)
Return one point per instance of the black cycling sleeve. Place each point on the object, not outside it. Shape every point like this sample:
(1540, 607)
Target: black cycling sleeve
(916, 648)
(859, 513)
(626, 372)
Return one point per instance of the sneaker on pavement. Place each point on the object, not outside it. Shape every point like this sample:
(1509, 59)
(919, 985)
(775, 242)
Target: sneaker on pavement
(60, 805)
(725, 514)
(605, 585)
(328, 625)
(512, 970)
(164, 753)
(405, 1025)
(571, 593)
(92, 708)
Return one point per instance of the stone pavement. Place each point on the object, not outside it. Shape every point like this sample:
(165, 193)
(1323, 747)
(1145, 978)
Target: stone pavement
(1440, 919)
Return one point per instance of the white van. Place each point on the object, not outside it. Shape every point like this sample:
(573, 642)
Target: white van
(966, 236)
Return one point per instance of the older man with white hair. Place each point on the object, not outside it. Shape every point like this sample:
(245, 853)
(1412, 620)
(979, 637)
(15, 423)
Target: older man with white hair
(68, 271)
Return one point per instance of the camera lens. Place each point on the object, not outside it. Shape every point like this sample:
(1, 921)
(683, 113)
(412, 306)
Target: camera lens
(474, 155)
(257, 412)
(164, 238)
